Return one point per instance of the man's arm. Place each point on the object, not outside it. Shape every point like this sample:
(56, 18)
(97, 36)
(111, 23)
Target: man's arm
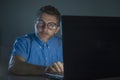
(17, 65)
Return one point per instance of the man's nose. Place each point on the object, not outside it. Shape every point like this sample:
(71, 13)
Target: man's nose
(45, 28)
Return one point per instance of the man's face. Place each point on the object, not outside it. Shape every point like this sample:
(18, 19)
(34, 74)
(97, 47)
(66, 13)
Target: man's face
(46, 27)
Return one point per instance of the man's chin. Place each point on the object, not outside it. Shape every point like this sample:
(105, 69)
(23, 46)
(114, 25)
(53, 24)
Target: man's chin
(44, 38)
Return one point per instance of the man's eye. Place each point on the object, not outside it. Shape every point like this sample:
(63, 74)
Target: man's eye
(40, 24)
(52, 25)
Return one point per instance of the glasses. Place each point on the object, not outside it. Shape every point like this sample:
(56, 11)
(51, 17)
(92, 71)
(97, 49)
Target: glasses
(50, 25)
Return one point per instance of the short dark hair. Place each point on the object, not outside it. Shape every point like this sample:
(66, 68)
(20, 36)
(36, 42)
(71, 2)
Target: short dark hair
(51, 11)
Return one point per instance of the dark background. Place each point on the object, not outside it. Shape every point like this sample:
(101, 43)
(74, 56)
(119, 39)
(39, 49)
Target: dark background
(17, 18)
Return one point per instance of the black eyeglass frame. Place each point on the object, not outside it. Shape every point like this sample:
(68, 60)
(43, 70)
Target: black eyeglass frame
(50, 25)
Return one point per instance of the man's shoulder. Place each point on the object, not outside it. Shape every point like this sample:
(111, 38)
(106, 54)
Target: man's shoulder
(58, 39)
(26, 37)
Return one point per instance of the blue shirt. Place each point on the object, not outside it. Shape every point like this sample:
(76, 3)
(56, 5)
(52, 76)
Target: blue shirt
(34, 51)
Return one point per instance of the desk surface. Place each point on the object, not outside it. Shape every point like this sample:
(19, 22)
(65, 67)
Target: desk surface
(15, 77)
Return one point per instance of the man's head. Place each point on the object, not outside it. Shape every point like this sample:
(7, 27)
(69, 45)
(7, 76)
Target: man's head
(47, 23)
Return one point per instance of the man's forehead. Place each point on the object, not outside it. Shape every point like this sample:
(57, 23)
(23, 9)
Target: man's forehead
(48, 18)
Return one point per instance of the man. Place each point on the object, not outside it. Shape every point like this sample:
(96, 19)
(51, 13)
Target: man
(40, 52)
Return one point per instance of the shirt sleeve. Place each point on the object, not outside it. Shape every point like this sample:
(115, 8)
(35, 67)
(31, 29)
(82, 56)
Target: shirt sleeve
(20, 48)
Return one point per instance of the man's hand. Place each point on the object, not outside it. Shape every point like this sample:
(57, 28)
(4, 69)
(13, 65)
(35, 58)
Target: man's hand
(56, 68)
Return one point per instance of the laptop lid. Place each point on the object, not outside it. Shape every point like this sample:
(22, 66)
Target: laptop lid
(91, 47)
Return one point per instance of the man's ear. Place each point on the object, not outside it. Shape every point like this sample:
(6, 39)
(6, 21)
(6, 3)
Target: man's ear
(58, 28)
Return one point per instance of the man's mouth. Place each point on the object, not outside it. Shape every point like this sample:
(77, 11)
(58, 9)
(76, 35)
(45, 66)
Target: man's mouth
(43, 34)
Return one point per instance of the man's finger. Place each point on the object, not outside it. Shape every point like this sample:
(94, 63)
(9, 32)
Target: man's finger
(60, 66)
(56, 66)
(52, 69)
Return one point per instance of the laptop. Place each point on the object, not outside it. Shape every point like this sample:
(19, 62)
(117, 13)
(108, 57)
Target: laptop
(91, 47)
(54, 76)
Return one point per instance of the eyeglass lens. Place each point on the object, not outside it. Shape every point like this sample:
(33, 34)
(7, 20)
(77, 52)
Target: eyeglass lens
(50, 25)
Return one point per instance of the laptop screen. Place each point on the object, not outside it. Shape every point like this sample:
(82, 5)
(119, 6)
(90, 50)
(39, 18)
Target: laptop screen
(91, 47)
